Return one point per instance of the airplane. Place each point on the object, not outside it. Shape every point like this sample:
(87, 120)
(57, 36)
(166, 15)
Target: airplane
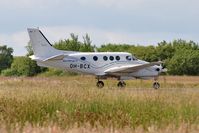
(120, 65)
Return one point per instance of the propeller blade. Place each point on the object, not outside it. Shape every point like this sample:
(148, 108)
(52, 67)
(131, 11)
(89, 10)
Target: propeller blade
(164, 70)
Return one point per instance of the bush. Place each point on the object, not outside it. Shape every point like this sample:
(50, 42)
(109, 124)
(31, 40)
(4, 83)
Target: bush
(9, 72)
(6, 57)
(22, 66)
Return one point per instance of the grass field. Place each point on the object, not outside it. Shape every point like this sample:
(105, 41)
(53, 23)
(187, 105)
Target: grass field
(74, 104)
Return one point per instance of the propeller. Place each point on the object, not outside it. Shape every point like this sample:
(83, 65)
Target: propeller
(163, 69)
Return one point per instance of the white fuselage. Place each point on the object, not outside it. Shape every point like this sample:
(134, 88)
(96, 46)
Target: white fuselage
(96, 63)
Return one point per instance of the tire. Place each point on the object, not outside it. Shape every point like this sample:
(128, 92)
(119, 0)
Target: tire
(100, 84)
(121, 84)
(156, 85)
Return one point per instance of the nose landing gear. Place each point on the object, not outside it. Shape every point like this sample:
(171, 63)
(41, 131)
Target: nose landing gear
(100, 84)
(156, 84)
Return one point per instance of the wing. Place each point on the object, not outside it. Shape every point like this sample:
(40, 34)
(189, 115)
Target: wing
(130, 68)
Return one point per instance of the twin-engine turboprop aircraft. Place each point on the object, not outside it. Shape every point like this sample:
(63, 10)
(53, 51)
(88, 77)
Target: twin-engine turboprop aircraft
(119, 65)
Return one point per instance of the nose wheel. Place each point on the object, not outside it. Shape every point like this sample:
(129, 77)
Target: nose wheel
(121, 84)
(100, 84)
(156, 85)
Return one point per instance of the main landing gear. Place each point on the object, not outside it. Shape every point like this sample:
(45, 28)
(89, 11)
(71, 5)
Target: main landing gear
(100, 84)
(121, 84)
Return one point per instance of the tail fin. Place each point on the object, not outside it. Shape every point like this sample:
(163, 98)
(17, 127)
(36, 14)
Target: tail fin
(41, 46)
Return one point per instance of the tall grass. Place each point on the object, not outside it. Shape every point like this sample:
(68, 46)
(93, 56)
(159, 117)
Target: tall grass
(75, 101)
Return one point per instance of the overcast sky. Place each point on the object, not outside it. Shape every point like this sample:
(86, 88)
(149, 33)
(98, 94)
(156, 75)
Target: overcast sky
(116, 21)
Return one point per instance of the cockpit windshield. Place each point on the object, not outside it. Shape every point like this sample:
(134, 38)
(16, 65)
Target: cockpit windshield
(128, 58)
(131, 58)
(134, 58)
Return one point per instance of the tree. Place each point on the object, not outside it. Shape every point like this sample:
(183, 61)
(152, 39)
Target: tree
(165, 50)
(74, 44)
(6, 57)
(180, 56)
(182, 44)
(184, 62)
(29, 49)
(86, 46)
(147, 53)
(69, 44)
(30, 52)
(115, 48)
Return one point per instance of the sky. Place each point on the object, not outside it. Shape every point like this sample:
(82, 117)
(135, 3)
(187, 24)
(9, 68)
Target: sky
(143, 22)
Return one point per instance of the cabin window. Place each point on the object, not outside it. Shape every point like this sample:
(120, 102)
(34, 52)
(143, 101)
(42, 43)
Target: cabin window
(83, 58)
(128, 58)
(111, 58)
(117, 58)
(105, 58)
(95, 58)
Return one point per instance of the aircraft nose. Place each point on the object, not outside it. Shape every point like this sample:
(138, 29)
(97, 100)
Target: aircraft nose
(160, 69)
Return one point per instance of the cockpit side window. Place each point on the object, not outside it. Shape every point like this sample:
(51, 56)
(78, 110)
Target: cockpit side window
(128, 58)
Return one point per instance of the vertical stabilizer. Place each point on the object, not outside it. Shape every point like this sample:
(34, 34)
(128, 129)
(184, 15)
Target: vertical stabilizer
(41, 46)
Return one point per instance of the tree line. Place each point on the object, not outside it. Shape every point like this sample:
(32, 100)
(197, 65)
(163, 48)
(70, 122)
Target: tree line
(180, 57)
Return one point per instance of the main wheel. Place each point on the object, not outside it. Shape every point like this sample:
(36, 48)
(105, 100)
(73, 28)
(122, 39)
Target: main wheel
(100, 84)
(156, 85)
(121, 84)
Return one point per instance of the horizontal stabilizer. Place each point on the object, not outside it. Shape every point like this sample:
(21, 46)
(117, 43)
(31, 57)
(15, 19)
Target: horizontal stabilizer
(56, 57)
(35, 58)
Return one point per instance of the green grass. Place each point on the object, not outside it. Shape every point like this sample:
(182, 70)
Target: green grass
(69, 101)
